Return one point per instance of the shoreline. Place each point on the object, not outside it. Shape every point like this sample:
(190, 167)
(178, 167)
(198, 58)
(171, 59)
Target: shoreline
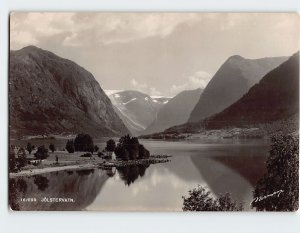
(100, 165)
(37, 171)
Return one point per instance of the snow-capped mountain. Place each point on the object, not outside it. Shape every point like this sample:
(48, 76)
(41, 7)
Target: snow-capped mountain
(161, 99)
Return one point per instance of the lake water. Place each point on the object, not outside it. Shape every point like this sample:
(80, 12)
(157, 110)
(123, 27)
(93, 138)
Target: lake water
(221, 166)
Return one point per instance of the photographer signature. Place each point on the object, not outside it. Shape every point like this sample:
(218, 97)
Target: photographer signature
(259, 199)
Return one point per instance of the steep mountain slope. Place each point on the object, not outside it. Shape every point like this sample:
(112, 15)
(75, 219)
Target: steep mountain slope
(136, 109)
(52, 95)
(231, 82)
(275, 97)
(176, 111)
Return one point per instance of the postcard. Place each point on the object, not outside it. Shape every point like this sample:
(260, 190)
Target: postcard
(153, 111)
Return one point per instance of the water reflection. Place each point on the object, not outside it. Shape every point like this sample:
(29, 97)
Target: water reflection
(130, 173)
(82, 186)
(85, 172)
(41, 182)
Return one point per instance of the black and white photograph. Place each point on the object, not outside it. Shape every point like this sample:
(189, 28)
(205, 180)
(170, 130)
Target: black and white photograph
(153, 111)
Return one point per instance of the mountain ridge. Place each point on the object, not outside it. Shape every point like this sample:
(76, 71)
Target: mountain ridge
(275, 97)
(232, 80)
(53, 95)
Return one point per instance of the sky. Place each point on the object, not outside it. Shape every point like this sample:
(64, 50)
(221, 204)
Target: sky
(156, 53)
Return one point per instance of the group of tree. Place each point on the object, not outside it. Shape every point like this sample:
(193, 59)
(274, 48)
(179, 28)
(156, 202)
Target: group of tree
(16, 161)
(200, 199)
(278, 189)
(129, 148)
(83, 143)
(41, 153)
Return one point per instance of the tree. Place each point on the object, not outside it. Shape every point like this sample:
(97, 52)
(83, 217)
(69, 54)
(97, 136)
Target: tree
(96, 148)
(143, 152)
(100, 154)
(12, 159)
(41, 153)
(200, 199)
(278, 190)
(70, 146)
(84, 142)
(110, 145)
(121, 152)
(133, 148)
(130, 148)
(52, 147)
(29, 147)
(21, 160)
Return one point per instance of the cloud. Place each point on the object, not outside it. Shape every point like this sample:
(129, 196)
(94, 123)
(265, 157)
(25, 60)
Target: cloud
(30, 28)
(161, 52)
(138, 86)
(197, 80)
(106, 28)
(143, 87)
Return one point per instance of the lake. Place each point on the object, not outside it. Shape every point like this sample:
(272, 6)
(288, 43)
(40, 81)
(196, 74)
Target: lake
(227, 165)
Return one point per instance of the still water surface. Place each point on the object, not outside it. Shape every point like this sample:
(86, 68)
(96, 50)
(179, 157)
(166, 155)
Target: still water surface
(221, 166)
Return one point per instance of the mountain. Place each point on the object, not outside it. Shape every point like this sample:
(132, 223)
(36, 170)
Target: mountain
(274, 98)
(52, 95)
(230, 83)
(176, 111)
(136, 109)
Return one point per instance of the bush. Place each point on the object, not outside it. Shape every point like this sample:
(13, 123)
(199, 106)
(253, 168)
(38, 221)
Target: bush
(84, 142)
(86, 155)
(280, 183)
(70, 146)
(41, 153)
(200, 199)
(52, 147)
(110, 145)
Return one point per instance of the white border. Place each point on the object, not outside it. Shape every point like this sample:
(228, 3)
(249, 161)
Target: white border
(129, 222)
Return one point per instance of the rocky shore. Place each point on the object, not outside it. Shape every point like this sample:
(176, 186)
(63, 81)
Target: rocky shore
(120, 163)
